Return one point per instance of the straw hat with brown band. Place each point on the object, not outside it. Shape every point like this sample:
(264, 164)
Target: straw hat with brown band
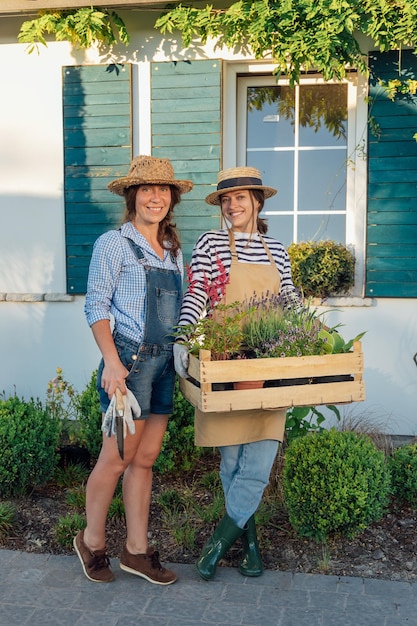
(238, 178)
(149, 170)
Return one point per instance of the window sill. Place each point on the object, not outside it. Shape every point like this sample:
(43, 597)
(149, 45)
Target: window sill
(36, 297)
(343, 301)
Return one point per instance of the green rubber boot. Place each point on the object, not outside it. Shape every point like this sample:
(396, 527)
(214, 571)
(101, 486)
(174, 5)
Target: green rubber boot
(251, 563)
(224, 536)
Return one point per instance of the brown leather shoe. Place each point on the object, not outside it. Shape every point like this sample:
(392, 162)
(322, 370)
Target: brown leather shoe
(147, 566)
(96, 565)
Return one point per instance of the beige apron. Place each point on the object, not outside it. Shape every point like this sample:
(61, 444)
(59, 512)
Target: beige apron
(236, 427)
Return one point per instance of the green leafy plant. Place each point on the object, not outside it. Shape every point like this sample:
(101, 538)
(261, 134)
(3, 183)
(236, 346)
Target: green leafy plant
(178, 451)
(8, 519)
(81, 27)
(334, 483)
(320, 35)
(301, 420)
(75, 497)
(279, 326)
(322, 268)
(28, 441)
(220, 332)
(220, 329)
(73, 474)
(117, 507)
(87, 405)
(67, 527)
(61, 401)
(403, 466)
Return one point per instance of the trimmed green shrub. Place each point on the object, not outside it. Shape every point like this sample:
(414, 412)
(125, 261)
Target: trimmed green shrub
(403, 466)
(87, 404)
(322, 268)
(334, 483)
(178, 450)
(28, 440)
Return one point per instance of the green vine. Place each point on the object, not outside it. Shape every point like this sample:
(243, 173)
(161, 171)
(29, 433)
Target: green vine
(396, 87)
(299, 36)
(82, 28)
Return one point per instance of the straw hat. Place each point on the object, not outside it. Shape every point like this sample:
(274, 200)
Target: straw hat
(238, 178)
(149, 170)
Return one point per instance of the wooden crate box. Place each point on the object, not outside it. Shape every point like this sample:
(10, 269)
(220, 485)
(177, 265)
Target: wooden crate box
(290, 381)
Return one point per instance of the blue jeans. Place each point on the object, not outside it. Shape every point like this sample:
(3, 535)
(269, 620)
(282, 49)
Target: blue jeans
(244, 472)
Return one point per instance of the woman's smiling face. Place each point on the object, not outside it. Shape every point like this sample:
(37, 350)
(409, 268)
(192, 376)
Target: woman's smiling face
(240, 209)
(152, 203)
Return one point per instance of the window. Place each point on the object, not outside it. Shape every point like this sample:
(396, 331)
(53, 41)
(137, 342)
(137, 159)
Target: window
(299, 139)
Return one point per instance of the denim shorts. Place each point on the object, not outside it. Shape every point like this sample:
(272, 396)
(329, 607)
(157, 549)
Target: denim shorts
(151, 376)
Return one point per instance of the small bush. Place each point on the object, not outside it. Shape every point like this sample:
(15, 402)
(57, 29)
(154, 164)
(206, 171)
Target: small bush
(67, 527)
(8, 519)
(76, 497)
(117, 508)
(403, 466)
(334, 483)
(87, 404)
(70, 476)
(28, 440)
(322, 268)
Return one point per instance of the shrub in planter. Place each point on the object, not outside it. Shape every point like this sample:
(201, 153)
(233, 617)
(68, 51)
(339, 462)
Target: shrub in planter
(322, 268)
(403, 466)
(334, 483)
(28, 441)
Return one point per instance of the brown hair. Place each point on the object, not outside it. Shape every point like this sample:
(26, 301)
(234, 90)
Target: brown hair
(257, 195)
(167, 230)
(261, 223)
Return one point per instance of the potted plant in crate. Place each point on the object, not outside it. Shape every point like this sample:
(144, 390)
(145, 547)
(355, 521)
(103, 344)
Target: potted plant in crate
(277, 340)
(220, 329)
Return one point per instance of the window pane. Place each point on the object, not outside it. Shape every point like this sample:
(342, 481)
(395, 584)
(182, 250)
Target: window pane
(270, 117)
(280, 227)
(322, 180)
(323, 115)
(318, 227)
(277, 170)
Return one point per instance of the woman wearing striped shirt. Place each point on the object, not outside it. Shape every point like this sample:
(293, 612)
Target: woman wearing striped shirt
(247, 440)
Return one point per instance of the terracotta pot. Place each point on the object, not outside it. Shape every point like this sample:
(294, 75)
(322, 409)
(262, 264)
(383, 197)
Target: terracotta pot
(248, 384)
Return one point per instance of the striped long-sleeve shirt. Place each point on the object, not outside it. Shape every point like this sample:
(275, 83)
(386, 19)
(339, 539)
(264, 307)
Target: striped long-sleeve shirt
(215, 244)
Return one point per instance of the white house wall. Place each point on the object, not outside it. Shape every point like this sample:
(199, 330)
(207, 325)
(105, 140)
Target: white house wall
(40, 327)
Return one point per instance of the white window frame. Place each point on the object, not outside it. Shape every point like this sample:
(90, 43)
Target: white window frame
(234, 146)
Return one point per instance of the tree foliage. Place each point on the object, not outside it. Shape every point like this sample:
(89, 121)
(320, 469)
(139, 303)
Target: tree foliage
(300, 35)
(82, 28)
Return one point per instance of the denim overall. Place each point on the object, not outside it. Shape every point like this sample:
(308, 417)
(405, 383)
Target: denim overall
(151, 375)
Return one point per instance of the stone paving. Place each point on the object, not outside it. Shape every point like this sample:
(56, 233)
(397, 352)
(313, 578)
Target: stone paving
(41, 589)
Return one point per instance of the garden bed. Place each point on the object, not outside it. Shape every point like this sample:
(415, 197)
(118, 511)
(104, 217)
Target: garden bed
(289, 381)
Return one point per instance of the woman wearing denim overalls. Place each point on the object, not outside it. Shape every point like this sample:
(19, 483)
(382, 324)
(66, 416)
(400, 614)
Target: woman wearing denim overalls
(136, 277)
(247, 440)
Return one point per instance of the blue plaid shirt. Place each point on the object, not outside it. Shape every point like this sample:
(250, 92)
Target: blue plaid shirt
(117, 282)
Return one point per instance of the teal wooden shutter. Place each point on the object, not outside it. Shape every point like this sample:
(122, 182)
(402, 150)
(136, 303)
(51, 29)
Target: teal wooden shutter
(391, 251)
(97, 149)
(186, 123)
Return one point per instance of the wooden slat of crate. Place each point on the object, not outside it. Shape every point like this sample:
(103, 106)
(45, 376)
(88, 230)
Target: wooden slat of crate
(274, 397)
(208, 372)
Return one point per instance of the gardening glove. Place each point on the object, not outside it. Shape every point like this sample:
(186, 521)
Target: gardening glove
(181, 359)
(131, 408)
